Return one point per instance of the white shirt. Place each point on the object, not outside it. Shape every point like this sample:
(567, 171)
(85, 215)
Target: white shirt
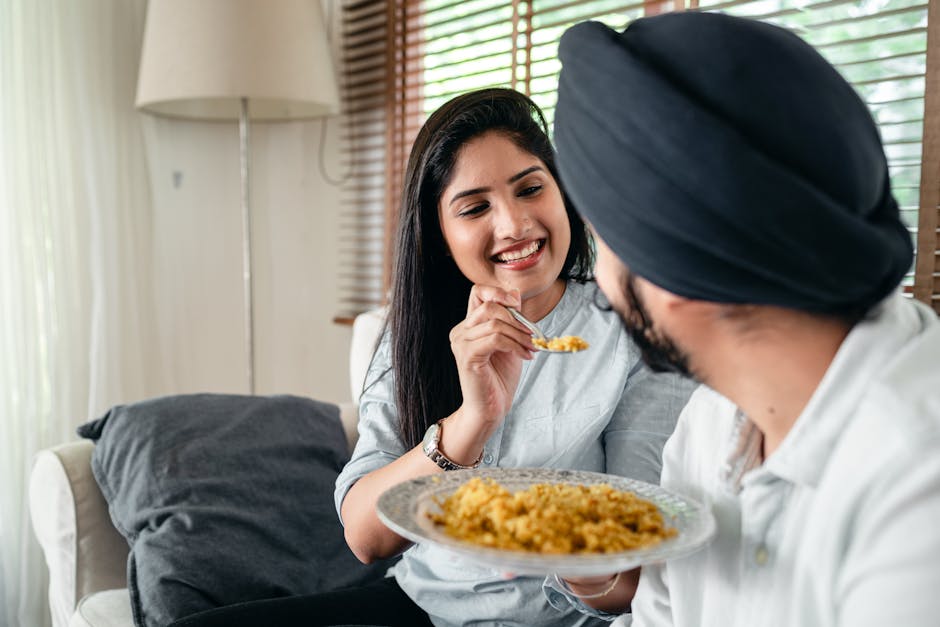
(838, 527)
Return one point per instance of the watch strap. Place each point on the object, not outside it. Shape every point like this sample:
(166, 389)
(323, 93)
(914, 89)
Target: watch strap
(432, 450)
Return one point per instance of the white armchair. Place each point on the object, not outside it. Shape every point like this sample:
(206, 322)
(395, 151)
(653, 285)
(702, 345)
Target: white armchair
(84, 552)
(86, 556)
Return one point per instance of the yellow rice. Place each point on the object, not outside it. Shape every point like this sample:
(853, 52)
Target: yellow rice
(568, 343)
(551, 518)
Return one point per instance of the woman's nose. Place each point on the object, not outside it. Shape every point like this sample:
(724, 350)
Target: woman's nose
(512, 221)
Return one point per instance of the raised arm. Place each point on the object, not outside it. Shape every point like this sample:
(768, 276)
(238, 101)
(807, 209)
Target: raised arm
(488, 346)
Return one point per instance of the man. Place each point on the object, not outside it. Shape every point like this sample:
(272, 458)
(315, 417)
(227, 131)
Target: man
(748, 237)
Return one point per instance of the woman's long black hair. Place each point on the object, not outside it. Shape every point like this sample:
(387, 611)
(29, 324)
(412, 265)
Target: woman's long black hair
(429, 294)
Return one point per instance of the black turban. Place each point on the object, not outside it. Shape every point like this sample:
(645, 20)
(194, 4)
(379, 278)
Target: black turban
(724, 159)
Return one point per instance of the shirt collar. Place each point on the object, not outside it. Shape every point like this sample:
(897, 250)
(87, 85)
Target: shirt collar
(558, 318)
(746, 452)
(804, 452)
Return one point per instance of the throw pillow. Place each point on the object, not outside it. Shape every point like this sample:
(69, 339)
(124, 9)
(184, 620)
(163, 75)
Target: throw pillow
(224, 499)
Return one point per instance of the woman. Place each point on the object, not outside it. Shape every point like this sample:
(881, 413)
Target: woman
(485, 226)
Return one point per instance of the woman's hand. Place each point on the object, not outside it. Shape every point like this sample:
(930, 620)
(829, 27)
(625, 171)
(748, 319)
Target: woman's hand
(489, 347)
(610, 593)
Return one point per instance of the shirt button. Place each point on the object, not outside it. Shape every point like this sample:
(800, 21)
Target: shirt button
(488, 458)
(761, 555)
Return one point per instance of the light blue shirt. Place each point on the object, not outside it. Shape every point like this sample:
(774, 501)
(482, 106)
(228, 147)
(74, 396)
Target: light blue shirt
(600, 410)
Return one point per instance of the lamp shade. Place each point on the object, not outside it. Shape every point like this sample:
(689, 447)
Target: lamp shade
(201, 57)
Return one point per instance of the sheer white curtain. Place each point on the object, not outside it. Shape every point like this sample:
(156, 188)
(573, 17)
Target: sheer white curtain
(74, 252)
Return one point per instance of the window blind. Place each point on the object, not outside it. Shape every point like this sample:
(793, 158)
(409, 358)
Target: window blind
(436, 49)
(366, 57)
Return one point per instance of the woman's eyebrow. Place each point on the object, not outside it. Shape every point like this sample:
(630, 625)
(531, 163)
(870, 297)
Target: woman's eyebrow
(480, 190)
(468, 192)
(516, 177)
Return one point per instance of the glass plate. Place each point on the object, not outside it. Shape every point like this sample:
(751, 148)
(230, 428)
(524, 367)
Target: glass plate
(404, 507)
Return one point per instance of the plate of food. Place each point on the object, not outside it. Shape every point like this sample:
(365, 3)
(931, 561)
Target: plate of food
(538, 521)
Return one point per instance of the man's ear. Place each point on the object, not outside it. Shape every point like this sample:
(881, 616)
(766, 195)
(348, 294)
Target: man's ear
(662, 302)
(681, 305)
(658, 298)
(674, 302)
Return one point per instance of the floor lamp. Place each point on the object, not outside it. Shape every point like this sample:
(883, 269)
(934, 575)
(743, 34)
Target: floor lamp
(263, 60)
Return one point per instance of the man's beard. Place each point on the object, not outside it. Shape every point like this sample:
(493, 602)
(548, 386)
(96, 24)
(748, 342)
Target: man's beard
(659, 352)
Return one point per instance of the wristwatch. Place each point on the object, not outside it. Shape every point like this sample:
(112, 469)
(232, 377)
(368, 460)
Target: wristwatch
(432, 438)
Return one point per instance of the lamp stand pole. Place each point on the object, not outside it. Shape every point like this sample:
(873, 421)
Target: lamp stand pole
(246, 245)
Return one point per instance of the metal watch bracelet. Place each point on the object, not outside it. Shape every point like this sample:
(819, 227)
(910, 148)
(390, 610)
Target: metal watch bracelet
(431, 447)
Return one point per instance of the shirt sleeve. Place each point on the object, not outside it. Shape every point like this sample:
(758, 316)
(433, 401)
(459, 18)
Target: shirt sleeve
(379, 443)
(652, 604)
(643, 420)
(890, 574)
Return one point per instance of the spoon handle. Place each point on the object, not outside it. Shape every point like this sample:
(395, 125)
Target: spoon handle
(529, 325)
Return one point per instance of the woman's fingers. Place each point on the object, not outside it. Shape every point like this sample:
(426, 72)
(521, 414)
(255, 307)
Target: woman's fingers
(491, 337)
(480, 294)
(490, 319)
(493, 311)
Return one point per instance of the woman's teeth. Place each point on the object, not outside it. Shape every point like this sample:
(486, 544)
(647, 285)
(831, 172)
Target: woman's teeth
(522, 253)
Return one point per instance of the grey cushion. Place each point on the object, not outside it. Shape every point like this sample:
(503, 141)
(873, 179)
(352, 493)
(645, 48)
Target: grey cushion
(224, 499)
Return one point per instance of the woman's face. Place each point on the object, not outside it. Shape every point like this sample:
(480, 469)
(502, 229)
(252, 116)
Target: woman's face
(503, 217)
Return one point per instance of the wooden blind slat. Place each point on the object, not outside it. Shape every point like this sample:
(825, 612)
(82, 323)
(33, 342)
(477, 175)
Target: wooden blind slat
(451, 33)
(855, 19)
(926, 265)
(371, 38)
(364, 12)
(809, 9)
(362, 35)
(470, 7)
(874, 60)
(876, 103)
(880, 37)
(588, 13)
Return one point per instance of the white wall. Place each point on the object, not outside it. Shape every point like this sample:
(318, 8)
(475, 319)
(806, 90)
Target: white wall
(198, 337)
(197, 266)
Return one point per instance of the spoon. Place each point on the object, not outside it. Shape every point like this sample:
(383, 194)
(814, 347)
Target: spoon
(535, 330)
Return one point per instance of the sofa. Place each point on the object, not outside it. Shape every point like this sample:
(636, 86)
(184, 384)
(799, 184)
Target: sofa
(86, 555)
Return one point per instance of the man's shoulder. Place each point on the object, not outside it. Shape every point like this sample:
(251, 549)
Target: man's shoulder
(906, 393)
(895, 422)
(702, 437)
(914, 371)
(708, 418)
(705, 399)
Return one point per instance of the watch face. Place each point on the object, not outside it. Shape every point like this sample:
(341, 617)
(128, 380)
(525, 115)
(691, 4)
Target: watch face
(431, 437)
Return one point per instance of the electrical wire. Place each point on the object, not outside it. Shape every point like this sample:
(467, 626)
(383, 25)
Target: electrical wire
(321, 156)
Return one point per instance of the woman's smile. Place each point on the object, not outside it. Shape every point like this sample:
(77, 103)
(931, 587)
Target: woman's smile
(521, 256)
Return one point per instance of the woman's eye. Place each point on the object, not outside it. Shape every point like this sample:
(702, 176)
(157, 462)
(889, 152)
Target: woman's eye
(474, 210)
(530, 190)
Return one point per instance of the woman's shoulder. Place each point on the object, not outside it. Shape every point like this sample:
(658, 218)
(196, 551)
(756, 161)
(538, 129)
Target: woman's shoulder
(582, 290)
(584, 303)
(379, 378)
(587, 298)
